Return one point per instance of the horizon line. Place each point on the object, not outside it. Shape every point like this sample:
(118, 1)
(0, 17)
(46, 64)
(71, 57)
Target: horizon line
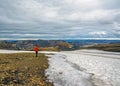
(62, 39)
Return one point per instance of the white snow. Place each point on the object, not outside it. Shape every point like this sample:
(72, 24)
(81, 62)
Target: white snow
(13, 51)
(20, 51)
(84, 68)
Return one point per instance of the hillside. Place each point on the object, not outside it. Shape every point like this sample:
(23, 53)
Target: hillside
(106, 47)
(54, 45)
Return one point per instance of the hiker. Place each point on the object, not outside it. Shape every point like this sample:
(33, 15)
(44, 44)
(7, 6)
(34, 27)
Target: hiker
(36, 49)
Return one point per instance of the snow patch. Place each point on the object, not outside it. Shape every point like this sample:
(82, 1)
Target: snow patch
(92, 68)
(63, 73)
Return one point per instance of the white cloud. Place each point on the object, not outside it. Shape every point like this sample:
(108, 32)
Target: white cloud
(83, 4)
(96, 16)
(98, 33)
(38, 11)
(62, 19)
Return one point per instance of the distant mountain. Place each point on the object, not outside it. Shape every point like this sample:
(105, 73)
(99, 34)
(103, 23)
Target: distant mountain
(29, 44)
(91, 42)
(52, 44)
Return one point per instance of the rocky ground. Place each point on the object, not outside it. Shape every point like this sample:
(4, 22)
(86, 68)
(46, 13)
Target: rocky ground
(23, 69)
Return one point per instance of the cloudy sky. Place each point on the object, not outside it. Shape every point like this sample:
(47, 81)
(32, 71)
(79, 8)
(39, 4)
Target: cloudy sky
(59, 19)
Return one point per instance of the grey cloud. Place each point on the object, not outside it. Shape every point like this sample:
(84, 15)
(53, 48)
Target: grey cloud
(57, 19)
(111, 4)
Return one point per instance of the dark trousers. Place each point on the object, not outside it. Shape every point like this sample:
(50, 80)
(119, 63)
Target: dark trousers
(36, 52)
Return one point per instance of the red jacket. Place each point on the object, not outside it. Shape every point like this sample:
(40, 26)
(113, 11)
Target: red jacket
(36, 48)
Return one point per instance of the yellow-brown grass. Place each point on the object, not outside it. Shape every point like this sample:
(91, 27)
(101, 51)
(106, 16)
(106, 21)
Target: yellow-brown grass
(49, 49)
(23, 69)
(106, 47)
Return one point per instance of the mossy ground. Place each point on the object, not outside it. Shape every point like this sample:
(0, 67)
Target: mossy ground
(23, 69)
